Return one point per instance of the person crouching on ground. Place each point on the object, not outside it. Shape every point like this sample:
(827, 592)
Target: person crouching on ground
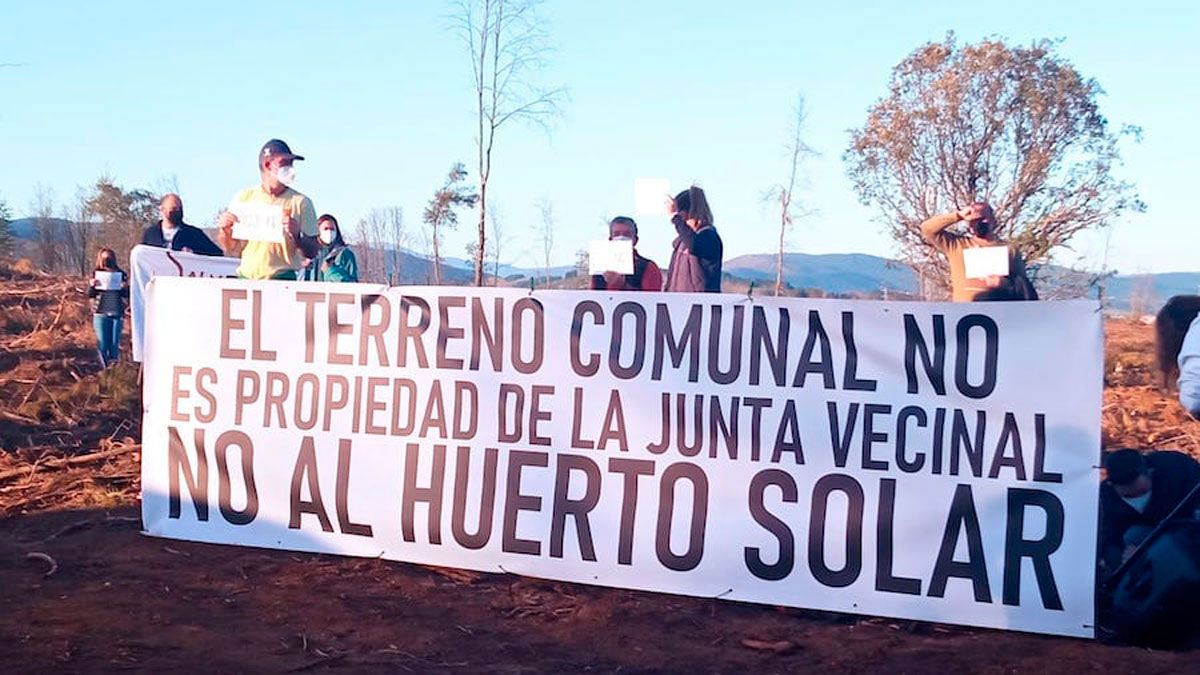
(108, 306)
(981, 232)
(1177, 329)
(646, 275)
(1138, 492)
(696, 259)
(334, 261)
(273, 259)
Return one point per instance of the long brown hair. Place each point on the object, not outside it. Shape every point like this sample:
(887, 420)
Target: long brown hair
(1170, 326)
(695, 204)
(106, 260)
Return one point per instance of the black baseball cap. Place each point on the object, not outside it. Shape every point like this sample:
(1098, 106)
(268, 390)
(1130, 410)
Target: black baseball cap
(275, 148)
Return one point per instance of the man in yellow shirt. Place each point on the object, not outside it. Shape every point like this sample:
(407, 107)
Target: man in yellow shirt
(280, 259)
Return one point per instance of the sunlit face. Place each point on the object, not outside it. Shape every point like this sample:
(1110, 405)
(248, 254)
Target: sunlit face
(327, 231)
(169, 204)
(1140, 486)
(621, 230)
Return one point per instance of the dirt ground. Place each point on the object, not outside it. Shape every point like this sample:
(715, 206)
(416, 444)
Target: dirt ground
(81, 590)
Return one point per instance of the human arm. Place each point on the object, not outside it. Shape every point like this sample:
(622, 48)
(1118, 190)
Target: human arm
(202, 245)
(934, 230)
(232, 247)
(652, 278)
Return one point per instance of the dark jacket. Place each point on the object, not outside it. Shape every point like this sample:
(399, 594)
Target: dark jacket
(696, 261)
(1172, 477)
(110, 303)
(187, 237)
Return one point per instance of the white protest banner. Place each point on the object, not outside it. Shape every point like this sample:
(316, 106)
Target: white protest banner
(610, 256)
(257, 221)
(147, 262)
(917, 460)
(985, 261)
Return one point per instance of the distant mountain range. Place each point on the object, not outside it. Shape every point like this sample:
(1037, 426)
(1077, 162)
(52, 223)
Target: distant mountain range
(841, 273)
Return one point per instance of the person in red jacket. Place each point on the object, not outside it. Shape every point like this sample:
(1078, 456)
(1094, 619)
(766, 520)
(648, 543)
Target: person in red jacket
(646, 275)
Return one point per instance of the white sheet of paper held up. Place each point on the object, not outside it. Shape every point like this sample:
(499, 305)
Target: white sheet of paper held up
(108, 281)
(986, 261)
(610, 256)
(650, 196)
(257, 221)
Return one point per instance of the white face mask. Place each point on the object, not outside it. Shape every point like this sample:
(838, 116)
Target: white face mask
(286, 174)
(326, 236)
(622, 238)
(1138, 503)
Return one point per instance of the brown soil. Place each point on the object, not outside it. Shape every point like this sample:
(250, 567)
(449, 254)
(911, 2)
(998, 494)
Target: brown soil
(117, 600)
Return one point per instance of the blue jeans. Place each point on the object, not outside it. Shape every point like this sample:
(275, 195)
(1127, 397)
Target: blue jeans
(108, 337)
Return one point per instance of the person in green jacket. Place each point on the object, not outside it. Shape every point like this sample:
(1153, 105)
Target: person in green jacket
(334, 260)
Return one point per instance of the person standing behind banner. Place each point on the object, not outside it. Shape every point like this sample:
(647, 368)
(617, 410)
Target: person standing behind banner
(981, 233)
(1177, 329)
(698, 251)
(334, 261)
(109, 291)
(646, 275)
(173, 234)
(271, 259)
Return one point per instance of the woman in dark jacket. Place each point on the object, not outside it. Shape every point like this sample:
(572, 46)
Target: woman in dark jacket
(108, 305)
(696, 260)
(334, 260)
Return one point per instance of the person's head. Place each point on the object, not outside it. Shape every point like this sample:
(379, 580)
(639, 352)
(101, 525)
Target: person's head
(692, 206)
(275, 161)
(106, 260)
(170, 208)
(1127, 473)
(1170, 326)
(982, 221)
(623, 228)
(329, 232)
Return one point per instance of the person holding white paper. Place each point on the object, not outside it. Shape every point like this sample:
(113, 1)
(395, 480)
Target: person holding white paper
(978, 275)
(269, 248)
(698, 251)
(109, 291)
(646, 276)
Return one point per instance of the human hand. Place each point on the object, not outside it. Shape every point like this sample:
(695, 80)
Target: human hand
(186, 249)
(225, 222)
(614, 281)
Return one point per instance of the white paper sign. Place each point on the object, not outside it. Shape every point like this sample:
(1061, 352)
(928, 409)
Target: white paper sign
(257, 221)
(789, 452)
(610, 256)
(650, 196)
(108, 281)
(986, 261)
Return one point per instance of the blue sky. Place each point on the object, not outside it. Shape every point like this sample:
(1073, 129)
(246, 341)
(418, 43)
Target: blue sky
(378, 96)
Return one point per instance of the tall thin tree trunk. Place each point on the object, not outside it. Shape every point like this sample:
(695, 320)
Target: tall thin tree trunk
(437, 259)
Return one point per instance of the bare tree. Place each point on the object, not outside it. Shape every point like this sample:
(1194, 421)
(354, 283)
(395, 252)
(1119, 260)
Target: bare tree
(441, 213)
(47, 227)
(545, 234)
(1143, 295)
(784, 194)
(369, 236)
(80, 234)
(397, 237)
(507, 44)
(1018, 127)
